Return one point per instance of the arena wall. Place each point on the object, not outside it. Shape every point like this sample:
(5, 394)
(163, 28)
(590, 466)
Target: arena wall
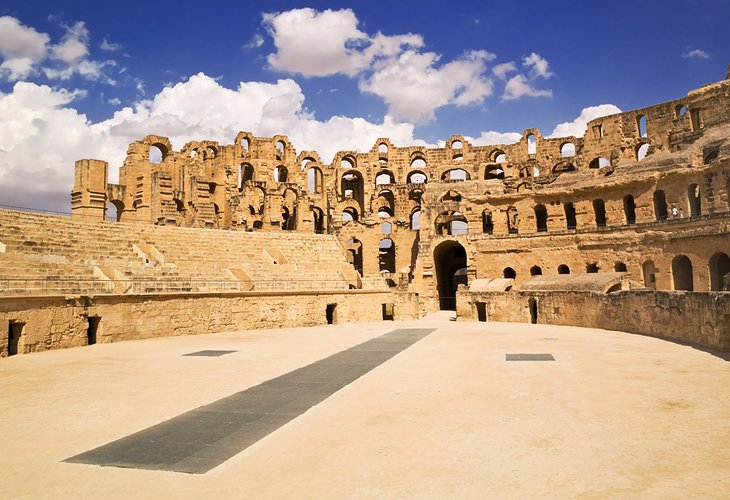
(53, 322)
(698, 318)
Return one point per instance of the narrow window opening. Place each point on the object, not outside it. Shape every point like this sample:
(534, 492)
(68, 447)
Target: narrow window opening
(15, 331)
(481, 311)
(388, 312)
(533, 311)
(331, 314)
(92, 330)
(570, 219)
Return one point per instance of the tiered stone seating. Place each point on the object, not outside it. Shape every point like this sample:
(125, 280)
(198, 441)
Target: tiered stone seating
(45, 253)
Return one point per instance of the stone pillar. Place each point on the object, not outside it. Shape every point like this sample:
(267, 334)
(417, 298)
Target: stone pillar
(88, 198)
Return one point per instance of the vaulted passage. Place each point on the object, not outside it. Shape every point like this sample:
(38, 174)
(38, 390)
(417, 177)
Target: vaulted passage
(450, 262)
(201, 439)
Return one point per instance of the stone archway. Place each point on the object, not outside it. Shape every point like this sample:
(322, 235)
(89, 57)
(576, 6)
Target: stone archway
(450, 264)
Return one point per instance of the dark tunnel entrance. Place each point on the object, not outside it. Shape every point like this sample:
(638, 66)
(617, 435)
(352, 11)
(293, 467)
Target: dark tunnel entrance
(450, 262)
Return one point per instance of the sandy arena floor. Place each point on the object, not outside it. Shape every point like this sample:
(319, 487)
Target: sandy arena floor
(615, 415)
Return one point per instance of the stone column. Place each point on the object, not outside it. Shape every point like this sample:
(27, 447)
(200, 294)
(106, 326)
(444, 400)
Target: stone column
(88, 198)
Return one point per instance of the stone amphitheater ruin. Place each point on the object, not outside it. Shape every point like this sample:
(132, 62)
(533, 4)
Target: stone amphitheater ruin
(626, 228)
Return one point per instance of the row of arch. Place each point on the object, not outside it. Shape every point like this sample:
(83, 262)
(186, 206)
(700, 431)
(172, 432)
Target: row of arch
(682, 272)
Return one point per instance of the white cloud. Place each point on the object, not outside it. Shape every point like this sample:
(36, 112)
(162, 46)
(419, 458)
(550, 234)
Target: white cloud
(413, 83)
(256, 41)
(315, 43)
(115, 101)
(109, 46)
(502, 70)
(578, 126)
(491, 137)
(74, 44)
(413, 87)
(20, 47)
(42, 135)
(26, 51)
(538, 66)
(518, 86)
(695, 54)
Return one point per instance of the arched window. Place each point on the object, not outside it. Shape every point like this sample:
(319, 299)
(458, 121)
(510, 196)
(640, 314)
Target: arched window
(114, 210)
(695, 201)
(531, 144)
(563, 269)
(629, 209)
(349, 215)
(641, 151)
(382, 148)
(567, 150)
(314, 180)
(456, 145)
(281, 173)
(455, 174)
(509, 273)
(347, 162)
(641, 125)
(386, 256)
(620, 267)
(386, 228)
(494, 172)
(416, 177)
(317, 220)
(599, 209)
(500, 157)
(719, 270)
(535, 271)
(660, 205)
(280, 149)
(245, 144)
(592, 268)
(385, 212)
(418, 163)
(600, 163)
(541, 218)
(384, 177)
(156, 154)
(416, 219)
(682, 273)
(245, 174)
(680, 110)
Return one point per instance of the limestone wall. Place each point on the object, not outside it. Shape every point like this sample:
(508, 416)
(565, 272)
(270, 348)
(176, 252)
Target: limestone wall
(52, 322)
(692, 317)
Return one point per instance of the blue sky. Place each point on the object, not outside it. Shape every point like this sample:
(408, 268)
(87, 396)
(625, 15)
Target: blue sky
(80, 79)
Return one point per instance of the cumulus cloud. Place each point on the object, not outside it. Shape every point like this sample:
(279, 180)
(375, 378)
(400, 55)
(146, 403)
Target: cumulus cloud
(21, 47)
(502, 70)
(42, 135)
(537, 65)
(109, 46)
(413, 83)
(25, 51)
(491, 137)
(518, 86)
(413, 87)
(578, 126)
(695, 54)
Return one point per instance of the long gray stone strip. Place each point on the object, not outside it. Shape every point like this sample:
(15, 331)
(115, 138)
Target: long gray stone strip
(203, 438)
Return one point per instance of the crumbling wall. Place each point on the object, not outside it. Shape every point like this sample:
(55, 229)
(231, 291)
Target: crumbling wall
(696, 318)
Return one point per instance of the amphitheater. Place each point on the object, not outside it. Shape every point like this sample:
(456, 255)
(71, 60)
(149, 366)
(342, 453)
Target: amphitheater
(549, 317)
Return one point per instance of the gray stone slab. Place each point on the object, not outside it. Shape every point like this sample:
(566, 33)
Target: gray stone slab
(209, 353)
(529, 357)
(205, 437)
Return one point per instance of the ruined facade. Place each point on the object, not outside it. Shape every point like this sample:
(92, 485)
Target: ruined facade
(643, 192)
(630, 222)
